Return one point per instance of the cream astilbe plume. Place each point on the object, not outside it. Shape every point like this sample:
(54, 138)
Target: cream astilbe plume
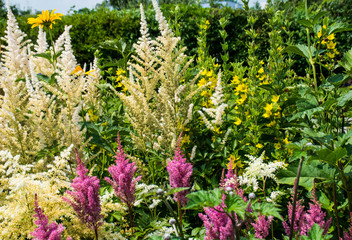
(42, 44)
(159, 98)
(15, 53)
(67, 61)
(218, 109)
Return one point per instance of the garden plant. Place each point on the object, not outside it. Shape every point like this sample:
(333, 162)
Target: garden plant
(153, 140)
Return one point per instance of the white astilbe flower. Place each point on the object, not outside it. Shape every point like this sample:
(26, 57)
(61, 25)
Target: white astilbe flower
(14, 55)
(273, 196)
(159, 98)
(42, 44)
(67, 61)
(258, 170)
(217, 111)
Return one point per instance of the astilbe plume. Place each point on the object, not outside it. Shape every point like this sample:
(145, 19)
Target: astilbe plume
(262, 226)
(86, 201)
(304, 220)
(217, 224)
(316, 215)
(347, 235)
(122, 174)
(180, 174)
(45, 231)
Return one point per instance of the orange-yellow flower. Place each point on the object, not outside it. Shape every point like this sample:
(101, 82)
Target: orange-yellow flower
(45, 19)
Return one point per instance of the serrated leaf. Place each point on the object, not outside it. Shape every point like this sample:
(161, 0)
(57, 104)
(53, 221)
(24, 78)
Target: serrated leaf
(201, 199)
(236, 204)
(316, 233)
(318, 16)
(267, 209)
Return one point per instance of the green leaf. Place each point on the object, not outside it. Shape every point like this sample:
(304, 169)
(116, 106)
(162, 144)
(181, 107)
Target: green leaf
(316, 233)
(338, 27)
(236, 204)
(266, 209)
(44, 55)
(301, 50)
(176, 190)
(318, 16)
(341, 101)
(306, 23)
(201, 199)
(329, 156)
(337, 79)
(346, 61)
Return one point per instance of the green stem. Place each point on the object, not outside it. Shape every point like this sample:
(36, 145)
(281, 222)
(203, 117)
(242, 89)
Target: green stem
(178, 225)
(295, 192)
(335, 209)
(309, 50)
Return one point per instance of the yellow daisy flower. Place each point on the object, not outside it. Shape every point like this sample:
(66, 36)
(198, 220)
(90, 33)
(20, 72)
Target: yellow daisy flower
(45, 19)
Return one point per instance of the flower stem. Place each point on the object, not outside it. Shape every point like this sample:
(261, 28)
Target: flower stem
(295, 191)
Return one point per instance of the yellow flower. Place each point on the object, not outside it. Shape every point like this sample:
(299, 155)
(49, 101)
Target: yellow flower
(241, 88)
(235, 80)
(259, 145)
(238, 121)
(45, 19)
(185, 139)
(261, 70)
(210, 73)
(204, 72)
(217, 130)
(202, 82)
(268, 107)
(286, 141)
(207, 22)
(267, 114)
(120, 71)
(277, 145)
(78, 70)
(330, 55)
(93, 117)
(261, 62)
(330, 45)
(275, 99)
(324, 26)
(271, 124)
(279, 49)
(331, 36)
(320, 33)
(236, 162)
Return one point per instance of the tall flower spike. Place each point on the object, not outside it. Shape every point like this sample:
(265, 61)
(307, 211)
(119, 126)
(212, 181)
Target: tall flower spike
(86, 201)
(347, 235)
(45, 231)
(180, 174)
(122, 174)
(262, 226)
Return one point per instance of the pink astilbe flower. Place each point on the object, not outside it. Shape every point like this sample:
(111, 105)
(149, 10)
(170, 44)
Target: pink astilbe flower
(180, 174)
(231, 180)
(316, 215)
(86, 201)
(262, 226)
(217, 224)
(299, 224)
(122, 174)
(347, 235)
(45, 231)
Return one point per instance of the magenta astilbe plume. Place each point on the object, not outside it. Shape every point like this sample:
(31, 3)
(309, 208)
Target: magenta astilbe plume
(316, 215)
(299, 224)
(180, 174)
(217, 224)
(262, 226)
(232, 181)
(347, 235)
(45, 231)
(122, 174)
(86, 201)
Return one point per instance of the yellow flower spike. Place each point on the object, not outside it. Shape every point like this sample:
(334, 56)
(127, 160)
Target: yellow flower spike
(235, 80)
(259, 146)
(275, 99)
(45, 19)
(238, 121)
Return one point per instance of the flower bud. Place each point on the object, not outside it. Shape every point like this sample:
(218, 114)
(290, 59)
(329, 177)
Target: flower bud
(160, 192)
(231, 193)
(172, 221)
(251, 195)
(167, 236)
(228, 189)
